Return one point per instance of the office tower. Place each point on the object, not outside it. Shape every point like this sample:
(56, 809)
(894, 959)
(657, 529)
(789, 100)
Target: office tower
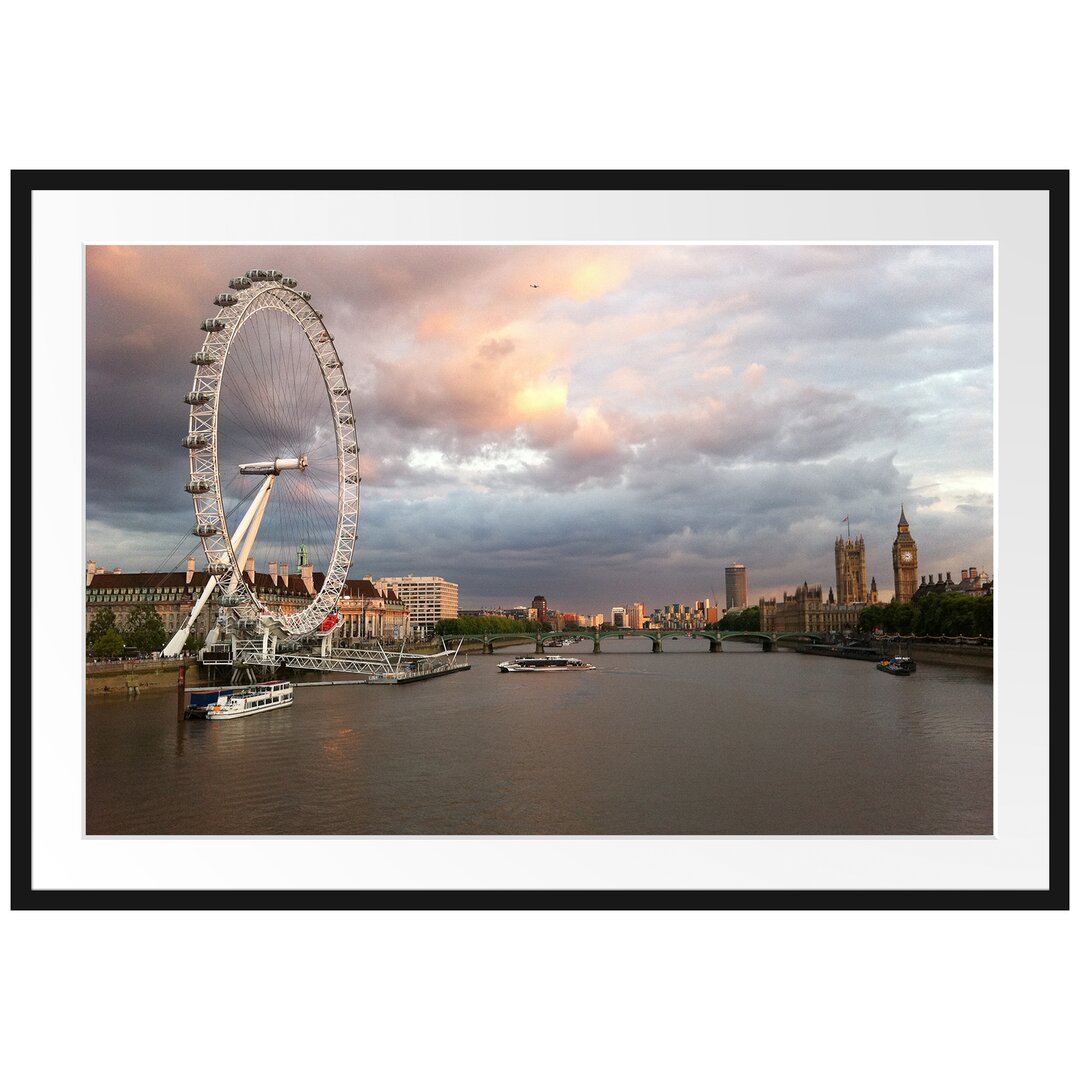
(735, 581)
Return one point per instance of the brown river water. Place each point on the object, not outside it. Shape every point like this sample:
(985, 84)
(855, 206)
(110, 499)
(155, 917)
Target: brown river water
(683, 742)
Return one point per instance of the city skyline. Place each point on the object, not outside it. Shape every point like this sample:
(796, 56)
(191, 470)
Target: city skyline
(600, 425)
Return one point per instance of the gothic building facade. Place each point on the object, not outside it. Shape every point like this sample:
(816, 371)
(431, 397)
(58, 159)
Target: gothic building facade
(851, 578)
(905, 561)
(807, 611)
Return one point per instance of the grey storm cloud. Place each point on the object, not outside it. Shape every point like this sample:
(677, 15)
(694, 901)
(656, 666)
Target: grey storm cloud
(618, 434)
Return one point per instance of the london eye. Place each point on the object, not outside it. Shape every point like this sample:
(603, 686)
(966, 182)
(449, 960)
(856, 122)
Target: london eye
(273, 456)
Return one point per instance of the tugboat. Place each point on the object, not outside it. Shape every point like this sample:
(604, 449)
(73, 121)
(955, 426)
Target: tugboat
(898, 665)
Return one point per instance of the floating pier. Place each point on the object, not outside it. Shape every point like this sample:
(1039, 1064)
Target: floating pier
(415, 671)
(381, 668)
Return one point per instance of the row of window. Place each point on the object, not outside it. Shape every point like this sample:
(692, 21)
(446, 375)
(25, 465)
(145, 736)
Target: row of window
(137, 592)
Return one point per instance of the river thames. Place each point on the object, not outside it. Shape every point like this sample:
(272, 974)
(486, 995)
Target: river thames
(684, 742)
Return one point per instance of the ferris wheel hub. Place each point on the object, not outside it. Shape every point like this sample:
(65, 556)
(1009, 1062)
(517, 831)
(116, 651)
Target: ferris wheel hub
(278, 465)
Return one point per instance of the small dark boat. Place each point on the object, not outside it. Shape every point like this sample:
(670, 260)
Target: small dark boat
(898, 665)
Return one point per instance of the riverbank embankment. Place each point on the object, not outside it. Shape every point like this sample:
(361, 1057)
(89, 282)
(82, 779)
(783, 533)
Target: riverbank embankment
(134, 676)
(975, 656)
(926, 652)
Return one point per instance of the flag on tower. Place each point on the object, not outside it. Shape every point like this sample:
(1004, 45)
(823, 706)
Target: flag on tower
(845, 519)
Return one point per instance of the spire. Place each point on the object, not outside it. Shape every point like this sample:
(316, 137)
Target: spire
(903, 520)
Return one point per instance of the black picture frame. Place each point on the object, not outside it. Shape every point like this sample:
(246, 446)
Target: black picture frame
(27, 704)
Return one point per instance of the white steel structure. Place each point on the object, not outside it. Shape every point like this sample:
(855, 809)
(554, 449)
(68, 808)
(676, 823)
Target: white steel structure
(269, 406)
(378, 665)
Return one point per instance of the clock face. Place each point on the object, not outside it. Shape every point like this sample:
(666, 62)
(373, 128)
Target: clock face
(905, 556)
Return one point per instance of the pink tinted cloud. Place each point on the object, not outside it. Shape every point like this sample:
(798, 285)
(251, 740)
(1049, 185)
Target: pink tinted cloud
(754, 374)
(492, 388)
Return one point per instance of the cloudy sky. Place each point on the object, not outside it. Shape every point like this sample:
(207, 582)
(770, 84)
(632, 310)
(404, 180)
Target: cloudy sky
(644, 417)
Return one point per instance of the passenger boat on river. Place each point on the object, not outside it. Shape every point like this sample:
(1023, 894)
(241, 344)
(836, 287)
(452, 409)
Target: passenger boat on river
(545, 663)
(240, 701)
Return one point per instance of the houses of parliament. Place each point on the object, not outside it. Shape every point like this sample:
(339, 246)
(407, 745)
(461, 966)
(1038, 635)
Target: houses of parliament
(807, 609)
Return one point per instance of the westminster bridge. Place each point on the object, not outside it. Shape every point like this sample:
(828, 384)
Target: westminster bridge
(716, 638)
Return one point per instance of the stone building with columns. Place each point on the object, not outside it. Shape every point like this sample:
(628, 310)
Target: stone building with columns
(366, 612)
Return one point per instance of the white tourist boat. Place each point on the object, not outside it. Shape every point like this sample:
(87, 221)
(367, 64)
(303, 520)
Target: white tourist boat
(243, 701)
(546, 663)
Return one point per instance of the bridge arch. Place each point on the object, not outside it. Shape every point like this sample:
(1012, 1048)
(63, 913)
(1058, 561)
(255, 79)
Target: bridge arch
(715, 638)
(488, 640)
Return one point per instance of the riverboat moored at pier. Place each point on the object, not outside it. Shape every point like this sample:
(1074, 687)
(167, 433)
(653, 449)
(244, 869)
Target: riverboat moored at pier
(240, 701)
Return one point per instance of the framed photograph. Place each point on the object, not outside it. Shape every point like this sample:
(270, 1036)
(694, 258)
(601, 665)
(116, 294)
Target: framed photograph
(541, 540)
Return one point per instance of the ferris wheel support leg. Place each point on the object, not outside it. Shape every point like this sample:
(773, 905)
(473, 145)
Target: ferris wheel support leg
(255, 513)
(249, 527)
(179, 639)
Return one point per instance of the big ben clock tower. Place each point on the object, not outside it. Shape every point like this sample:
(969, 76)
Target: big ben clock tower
(905, 562)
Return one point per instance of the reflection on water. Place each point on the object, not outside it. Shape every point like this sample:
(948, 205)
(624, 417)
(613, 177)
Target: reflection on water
(681, 742)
